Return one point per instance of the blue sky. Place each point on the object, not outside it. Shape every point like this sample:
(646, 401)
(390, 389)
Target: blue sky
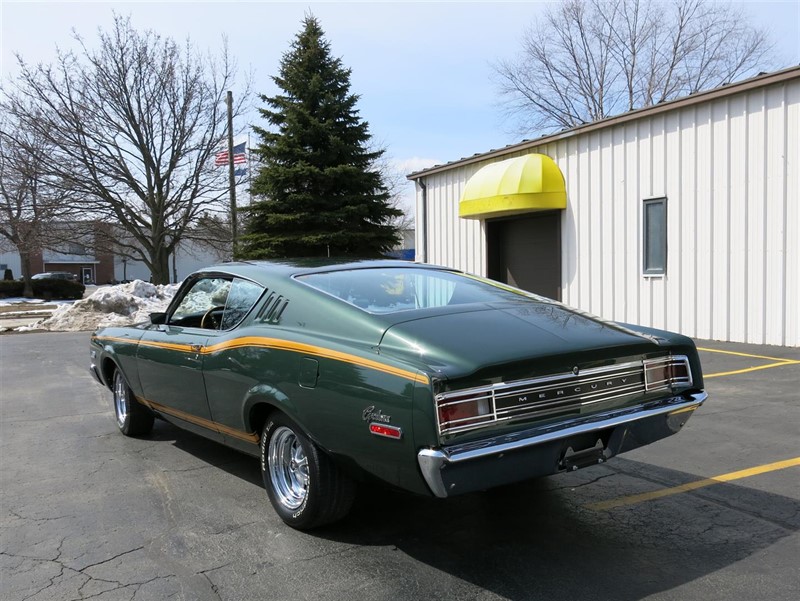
(422, 68)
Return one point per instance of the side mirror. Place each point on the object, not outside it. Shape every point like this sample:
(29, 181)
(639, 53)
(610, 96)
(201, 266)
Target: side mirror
(158, 318)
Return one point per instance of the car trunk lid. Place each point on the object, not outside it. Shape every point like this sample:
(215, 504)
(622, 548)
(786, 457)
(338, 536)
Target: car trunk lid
(511, 341)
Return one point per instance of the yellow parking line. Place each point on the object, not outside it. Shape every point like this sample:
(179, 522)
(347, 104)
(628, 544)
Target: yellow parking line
(778, 362)
(746, 369)
(713, 350)
(666, 492)
(708, 350)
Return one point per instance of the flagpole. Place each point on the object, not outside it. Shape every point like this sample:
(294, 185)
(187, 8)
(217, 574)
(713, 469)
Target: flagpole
(231, 176)
(249, 173)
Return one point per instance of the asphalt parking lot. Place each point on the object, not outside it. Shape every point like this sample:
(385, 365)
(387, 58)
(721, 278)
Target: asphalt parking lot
(712, 513)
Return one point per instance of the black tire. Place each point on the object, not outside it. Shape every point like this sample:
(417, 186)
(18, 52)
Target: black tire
(133, 418)
(304, 486)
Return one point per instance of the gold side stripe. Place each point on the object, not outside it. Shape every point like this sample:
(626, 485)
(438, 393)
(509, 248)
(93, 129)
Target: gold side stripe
(200, 421)
(299, 347)
(186, 348)
(283, 345)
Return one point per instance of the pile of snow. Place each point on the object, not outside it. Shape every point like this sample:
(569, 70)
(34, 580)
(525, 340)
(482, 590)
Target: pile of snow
(120, 305)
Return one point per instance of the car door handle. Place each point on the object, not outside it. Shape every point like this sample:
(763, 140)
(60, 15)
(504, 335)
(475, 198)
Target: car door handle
(197, 347)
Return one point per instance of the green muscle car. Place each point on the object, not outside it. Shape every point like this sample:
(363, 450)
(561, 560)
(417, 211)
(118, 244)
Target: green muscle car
(421, 377)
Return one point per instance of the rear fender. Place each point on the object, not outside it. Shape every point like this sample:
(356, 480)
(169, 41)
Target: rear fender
(264, 394)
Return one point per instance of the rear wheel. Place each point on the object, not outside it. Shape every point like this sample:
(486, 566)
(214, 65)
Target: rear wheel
(133, 418)
(304, 486)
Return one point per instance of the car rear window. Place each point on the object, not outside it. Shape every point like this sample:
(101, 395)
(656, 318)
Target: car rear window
(390, 290)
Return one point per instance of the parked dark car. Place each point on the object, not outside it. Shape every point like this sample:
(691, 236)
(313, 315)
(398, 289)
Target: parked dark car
(425, 378)
(55, 275)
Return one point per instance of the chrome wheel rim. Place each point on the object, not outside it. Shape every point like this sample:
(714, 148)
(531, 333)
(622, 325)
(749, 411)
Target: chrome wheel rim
(288, 468)
(120, 399)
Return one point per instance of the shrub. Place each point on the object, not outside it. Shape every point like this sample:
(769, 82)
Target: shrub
(52, 289)
(10, 288)
(46, 289)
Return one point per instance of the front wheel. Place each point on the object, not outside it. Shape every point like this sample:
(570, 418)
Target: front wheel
(133, 418)
(304, 486)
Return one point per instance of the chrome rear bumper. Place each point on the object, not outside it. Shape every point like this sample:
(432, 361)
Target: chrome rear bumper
(541, 451)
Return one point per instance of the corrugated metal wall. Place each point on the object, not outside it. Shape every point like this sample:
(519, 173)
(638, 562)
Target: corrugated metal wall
(730, 170)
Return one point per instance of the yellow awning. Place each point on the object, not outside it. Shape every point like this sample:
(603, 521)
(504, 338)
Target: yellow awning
(529, 183)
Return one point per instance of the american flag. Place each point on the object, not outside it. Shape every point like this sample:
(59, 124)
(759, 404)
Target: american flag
(239, 156)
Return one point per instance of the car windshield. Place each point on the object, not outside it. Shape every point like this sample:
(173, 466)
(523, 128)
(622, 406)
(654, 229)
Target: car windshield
(390, 290)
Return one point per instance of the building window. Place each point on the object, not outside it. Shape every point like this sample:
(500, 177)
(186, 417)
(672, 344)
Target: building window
(655, 236)
(76, 248)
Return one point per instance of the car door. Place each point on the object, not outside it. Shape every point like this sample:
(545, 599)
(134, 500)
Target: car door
(170, 355)
(234, 364)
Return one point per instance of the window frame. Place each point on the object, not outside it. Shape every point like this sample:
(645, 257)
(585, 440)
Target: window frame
(244, 314)
(195, 279)
(647, 270)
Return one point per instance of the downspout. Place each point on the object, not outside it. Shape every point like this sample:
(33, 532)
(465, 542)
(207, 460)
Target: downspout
(423, 225)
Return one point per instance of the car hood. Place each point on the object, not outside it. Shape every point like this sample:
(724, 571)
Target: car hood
(479, 340)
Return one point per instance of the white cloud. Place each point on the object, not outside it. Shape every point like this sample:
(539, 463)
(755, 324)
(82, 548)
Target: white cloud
(412, 164)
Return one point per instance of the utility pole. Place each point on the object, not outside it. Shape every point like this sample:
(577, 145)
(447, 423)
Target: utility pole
(231, 177)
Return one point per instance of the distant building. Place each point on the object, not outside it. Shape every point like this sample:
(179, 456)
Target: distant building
(84, 257)
(683, 216)
(76, 256)
(405, 248)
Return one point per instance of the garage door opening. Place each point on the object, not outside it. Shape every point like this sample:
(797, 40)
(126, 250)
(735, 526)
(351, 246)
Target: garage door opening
(526, 252)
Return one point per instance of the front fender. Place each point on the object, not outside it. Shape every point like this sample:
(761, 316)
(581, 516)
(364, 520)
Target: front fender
(116, 348)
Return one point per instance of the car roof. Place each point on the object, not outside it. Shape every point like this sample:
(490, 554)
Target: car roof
(265, 271)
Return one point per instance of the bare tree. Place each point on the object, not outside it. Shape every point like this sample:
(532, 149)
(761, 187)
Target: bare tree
(211, 233)
(133, 126)
(590, 59)
(396, 183)
(29, 202)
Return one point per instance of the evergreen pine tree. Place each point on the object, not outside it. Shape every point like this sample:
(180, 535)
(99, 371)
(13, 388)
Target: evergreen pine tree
(320, 192)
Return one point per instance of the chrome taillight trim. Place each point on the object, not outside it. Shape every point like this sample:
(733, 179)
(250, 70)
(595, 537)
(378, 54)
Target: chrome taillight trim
(557, 394)
(681, 361)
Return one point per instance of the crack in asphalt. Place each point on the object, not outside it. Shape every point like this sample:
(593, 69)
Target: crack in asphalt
(116, 585)
(81, 572)
(198, 582)
(19, 516)
(55, 560)
(214, 587)
(232, 528)
(320, 556)
(117, 556)
(32, 558)
(135, 585)
(581, 485)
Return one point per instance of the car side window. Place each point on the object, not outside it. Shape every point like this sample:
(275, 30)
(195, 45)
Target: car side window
(203, 297)
(241, 298)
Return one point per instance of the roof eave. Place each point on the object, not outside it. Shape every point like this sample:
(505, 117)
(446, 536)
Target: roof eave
(725, 90)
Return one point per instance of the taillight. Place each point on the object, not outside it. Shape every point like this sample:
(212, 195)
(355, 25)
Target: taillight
(465, 410)
(386, 430)
(667, 372)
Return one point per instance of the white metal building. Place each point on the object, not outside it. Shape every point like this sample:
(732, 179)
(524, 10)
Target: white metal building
(683, 216)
